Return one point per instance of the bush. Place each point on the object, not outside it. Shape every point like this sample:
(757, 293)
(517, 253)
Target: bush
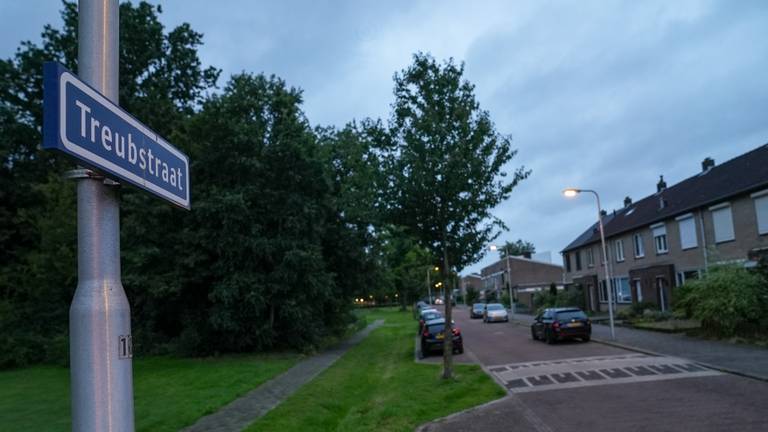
(728, 300)
(564, 298)
(472, 295)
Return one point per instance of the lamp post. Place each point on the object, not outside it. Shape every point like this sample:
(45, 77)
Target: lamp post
(572, 192)
(429, 283)
(509, 277)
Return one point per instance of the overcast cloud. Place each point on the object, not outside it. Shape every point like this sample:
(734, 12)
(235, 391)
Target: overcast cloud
(605, 95)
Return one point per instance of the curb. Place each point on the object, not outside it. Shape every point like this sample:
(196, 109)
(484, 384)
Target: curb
(703, 364)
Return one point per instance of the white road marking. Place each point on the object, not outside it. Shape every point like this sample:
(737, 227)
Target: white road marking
(592, 371)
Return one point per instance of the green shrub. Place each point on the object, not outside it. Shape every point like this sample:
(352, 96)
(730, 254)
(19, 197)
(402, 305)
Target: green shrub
(563, 298)
(728, 300)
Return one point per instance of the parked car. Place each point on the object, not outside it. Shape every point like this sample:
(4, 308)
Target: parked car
(495, 312)
(556, 324)
(428, 315)
(433, 336)
(477, 311)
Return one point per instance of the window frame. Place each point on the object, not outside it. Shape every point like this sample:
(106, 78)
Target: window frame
(684, 219)
(590, 257)
(618, 246)
(638, 248)
(660, 238)
(762, 198)
(717, 209)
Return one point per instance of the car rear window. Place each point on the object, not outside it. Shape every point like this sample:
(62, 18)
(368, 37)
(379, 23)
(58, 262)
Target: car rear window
(436, 328)
(493, 307)
(569, 315)
(431, 316)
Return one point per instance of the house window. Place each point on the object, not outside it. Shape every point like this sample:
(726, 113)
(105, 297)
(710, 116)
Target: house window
(761, 209)
(723, 222)
(687, 226)
(578, 260)
(603, 292)
(567, 261)
(590, 257)
(621, 290)
(684, 276)
(660, 238)
(619, 250)
(637, 240)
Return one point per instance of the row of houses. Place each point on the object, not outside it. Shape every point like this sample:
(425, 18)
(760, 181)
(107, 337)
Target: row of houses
(719, 214)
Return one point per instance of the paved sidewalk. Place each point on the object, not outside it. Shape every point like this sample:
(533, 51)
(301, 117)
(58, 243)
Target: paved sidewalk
(244, 411)
(743, 360)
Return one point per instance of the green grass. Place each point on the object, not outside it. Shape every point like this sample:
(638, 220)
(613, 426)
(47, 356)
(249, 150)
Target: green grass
(169, 393)
(377, 386)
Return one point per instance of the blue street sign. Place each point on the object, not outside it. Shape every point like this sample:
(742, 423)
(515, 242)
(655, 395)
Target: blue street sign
(84, 124)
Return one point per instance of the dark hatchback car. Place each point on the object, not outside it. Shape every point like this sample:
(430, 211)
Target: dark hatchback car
(478, 309)
(428, 315)
(561, 323)
(433, 336)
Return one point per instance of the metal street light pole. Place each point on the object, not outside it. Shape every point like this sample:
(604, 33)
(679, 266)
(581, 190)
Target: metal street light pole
(609, 282)
(99, 317)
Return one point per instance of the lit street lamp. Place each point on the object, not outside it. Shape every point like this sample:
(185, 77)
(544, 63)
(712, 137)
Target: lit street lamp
(509, 277)
(571, 192)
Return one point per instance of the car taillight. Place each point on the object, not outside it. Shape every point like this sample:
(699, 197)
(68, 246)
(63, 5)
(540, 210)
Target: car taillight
(556, 325)
(425, 334)
(456, 331)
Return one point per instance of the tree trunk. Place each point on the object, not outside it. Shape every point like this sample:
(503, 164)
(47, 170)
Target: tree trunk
(448, 344)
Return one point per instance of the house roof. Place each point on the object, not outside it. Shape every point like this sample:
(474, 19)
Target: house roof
(739, 175)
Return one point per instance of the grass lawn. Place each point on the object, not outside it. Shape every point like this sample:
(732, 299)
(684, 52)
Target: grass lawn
(377, 386)
(169, 393)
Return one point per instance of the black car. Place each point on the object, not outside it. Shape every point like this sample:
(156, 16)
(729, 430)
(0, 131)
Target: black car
(478, 310)
(433, 336)
(561, 323)
(428, 315)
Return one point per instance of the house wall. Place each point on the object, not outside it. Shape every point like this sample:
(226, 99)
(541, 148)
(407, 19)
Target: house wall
(676, 260)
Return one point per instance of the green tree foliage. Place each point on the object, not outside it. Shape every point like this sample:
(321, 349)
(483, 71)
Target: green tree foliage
(518, 247)
(446, 167)
(282, 230)
(729, 300)
(472, 296)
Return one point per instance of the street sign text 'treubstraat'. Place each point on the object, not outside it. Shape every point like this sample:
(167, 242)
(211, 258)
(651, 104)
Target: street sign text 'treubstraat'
(84, 124)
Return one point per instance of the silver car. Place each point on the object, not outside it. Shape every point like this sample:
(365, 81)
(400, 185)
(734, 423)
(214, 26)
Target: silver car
(495, 312)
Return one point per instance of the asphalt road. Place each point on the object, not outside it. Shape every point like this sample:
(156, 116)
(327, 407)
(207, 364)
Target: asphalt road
(574, 385)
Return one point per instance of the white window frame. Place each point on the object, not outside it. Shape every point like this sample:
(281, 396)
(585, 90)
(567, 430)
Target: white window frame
(637, 245)
(591, 257)
(660, 240)
(727, 232)
(616, 284)
(684, 221)
(638, 285)
(602, 292)
(760, 200)
(619, 249)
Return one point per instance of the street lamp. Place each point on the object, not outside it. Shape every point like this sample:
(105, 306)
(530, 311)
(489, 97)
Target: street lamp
(572, 192)
(509, 277)
(429, 284)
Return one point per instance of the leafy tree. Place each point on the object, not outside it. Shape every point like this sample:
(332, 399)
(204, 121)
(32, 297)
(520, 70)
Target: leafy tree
(519, 247)
(161, 81)
(446, 168)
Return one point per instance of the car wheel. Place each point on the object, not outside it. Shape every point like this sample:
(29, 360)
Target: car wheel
(586, 338)
(424, 351)
(550, 337)
(461, 349)
(533, 334)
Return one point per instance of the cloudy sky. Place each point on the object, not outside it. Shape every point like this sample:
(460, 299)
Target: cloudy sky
(605, 95)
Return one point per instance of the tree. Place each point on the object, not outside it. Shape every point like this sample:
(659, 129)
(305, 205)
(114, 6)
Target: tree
(519, 247)
(446, 168)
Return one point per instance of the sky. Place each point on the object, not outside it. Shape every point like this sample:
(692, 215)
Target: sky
(604, 95)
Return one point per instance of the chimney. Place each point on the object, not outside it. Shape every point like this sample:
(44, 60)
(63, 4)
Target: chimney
(707, 164)
(661, 185)
(527, 254)
(627, 202)
(603, 213)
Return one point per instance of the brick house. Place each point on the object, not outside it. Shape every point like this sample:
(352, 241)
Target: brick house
(473, 281)
(526, 277)
(654, 245)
